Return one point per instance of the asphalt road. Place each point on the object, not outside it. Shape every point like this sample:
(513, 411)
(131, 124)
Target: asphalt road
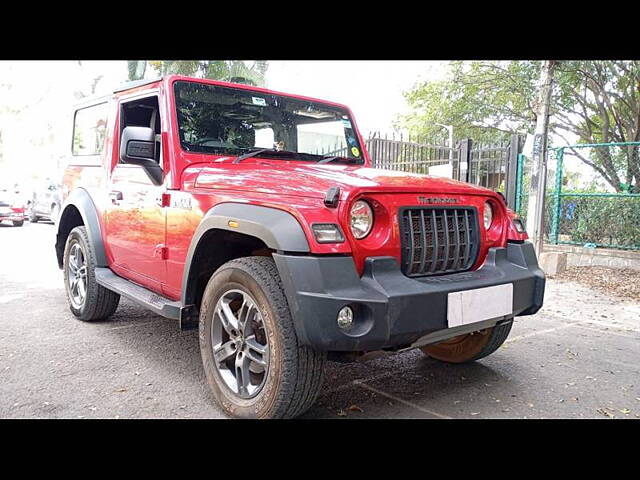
(579, 357)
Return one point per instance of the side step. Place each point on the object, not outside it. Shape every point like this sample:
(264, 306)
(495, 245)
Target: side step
(148, 299)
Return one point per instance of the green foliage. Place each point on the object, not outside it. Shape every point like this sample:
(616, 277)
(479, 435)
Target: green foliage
(236, 71)
(486, 101)
(136, 69)
(605, 221)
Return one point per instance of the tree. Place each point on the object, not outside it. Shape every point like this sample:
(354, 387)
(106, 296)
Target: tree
(136, 69)
(486, 101)
(236, 71)
(598, 101)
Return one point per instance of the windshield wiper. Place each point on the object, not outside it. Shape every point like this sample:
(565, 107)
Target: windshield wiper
(261, 151)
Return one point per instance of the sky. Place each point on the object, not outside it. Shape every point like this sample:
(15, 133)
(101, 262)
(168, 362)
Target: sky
(45, 92)
(372, 89)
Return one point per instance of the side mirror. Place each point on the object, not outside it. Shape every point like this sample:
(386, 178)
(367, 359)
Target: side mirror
(137, 147)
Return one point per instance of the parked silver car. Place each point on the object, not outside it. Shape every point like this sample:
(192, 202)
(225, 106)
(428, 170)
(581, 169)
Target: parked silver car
(45, 202)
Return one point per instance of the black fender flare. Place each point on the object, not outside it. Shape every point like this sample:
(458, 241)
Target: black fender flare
(81, 200)
(278, 229)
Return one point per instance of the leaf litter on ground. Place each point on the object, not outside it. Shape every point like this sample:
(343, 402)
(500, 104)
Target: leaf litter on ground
(618, 282)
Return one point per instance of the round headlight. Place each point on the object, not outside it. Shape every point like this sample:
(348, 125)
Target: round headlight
(488, 215)
(361, 219)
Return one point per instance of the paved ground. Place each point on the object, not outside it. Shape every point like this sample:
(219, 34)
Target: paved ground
(578, 358)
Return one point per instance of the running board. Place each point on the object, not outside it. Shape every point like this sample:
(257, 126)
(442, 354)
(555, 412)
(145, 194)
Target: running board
(142, 296)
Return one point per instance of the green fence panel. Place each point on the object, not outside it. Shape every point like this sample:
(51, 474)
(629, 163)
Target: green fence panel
(555, 225)
(604, 219)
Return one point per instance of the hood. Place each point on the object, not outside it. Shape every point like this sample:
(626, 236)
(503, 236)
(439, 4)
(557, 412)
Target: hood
(313, 180)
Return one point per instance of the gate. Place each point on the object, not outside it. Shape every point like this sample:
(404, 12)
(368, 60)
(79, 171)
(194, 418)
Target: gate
(417, 156)
(492, 166)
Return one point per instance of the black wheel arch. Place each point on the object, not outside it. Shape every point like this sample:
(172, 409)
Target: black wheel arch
(79, 209)
(257, 230)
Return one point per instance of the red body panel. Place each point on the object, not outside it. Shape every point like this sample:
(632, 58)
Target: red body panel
(136, 229)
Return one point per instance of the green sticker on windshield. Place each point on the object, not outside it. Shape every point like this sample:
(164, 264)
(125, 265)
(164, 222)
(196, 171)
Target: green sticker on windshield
(355, 151)
(259, 101)
(346, 123)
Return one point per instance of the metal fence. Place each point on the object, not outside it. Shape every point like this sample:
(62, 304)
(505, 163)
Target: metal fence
(489, 165)
(602, 208)
(413, 155)
(523, 183)
(593, 190)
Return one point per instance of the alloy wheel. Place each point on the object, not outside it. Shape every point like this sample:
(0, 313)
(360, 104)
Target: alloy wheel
(240, 343)
(77, 275)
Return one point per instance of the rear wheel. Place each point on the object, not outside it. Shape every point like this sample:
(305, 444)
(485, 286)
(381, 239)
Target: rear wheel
(88, 300)
(253, 361)
(471, 346)
(18, 223)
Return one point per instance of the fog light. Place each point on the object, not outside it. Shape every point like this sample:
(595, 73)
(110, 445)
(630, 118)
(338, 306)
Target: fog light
(345, 318)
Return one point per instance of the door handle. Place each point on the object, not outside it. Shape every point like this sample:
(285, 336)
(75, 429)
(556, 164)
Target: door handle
(115, 197)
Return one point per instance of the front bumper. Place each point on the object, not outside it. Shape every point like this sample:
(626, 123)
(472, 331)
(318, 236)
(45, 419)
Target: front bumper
(394, 311)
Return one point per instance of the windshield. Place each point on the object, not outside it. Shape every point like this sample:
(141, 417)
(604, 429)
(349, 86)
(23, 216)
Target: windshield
(230, 121)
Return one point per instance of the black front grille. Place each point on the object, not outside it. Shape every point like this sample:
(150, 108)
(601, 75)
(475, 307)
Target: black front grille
(438, 240)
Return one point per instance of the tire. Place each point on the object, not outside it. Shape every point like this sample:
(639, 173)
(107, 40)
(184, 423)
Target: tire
(33, 218)
(97, 303)
(18, 223)
(471, 346)
(290, 375)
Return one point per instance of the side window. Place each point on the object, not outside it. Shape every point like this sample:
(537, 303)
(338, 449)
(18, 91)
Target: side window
(144, 112)
(89, 128)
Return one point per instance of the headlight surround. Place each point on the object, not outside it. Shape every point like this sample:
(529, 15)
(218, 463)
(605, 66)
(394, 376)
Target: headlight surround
(488, 215)
(361, 219)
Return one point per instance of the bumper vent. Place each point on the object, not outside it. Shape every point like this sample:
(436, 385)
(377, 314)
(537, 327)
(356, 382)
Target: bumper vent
(438, 240)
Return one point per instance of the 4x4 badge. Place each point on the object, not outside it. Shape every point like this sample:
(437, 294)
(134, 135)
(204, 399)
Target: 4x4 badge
(432, 200)
(181, 201)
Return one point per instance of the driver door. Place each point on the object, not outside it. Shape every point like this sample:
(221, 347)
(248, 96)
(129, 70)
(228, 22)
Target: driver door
(135, 217)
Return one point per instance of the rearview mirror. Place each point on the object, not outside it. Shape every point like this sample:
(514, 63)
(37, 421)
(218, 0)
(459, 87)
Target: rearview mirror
(137, 147)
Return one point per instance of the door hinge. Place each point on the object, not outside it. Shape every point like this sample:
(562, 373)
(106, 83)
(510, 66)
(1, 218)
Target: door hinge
(161, 251)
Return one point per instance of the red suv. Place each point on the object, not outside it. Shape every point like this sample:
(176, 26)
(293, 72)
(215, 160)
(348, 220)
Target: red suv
(256, 217)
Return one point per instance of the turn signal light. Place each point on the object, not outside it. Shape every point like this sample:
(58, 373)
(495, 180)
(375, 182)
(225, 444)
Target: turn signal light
(327, 233)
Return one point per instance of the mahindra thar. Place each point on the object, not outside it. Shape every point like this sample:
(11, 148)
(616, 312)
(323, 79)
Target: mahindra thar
(256, 217)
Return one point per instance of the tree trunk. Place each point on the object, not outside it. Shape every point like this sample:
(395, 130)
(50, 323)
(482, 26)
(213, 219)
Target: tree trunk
(535, 215)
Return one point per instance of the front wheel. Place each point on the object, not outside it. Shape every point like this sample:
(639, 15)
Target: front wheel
(252, 358)
(471, 346)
